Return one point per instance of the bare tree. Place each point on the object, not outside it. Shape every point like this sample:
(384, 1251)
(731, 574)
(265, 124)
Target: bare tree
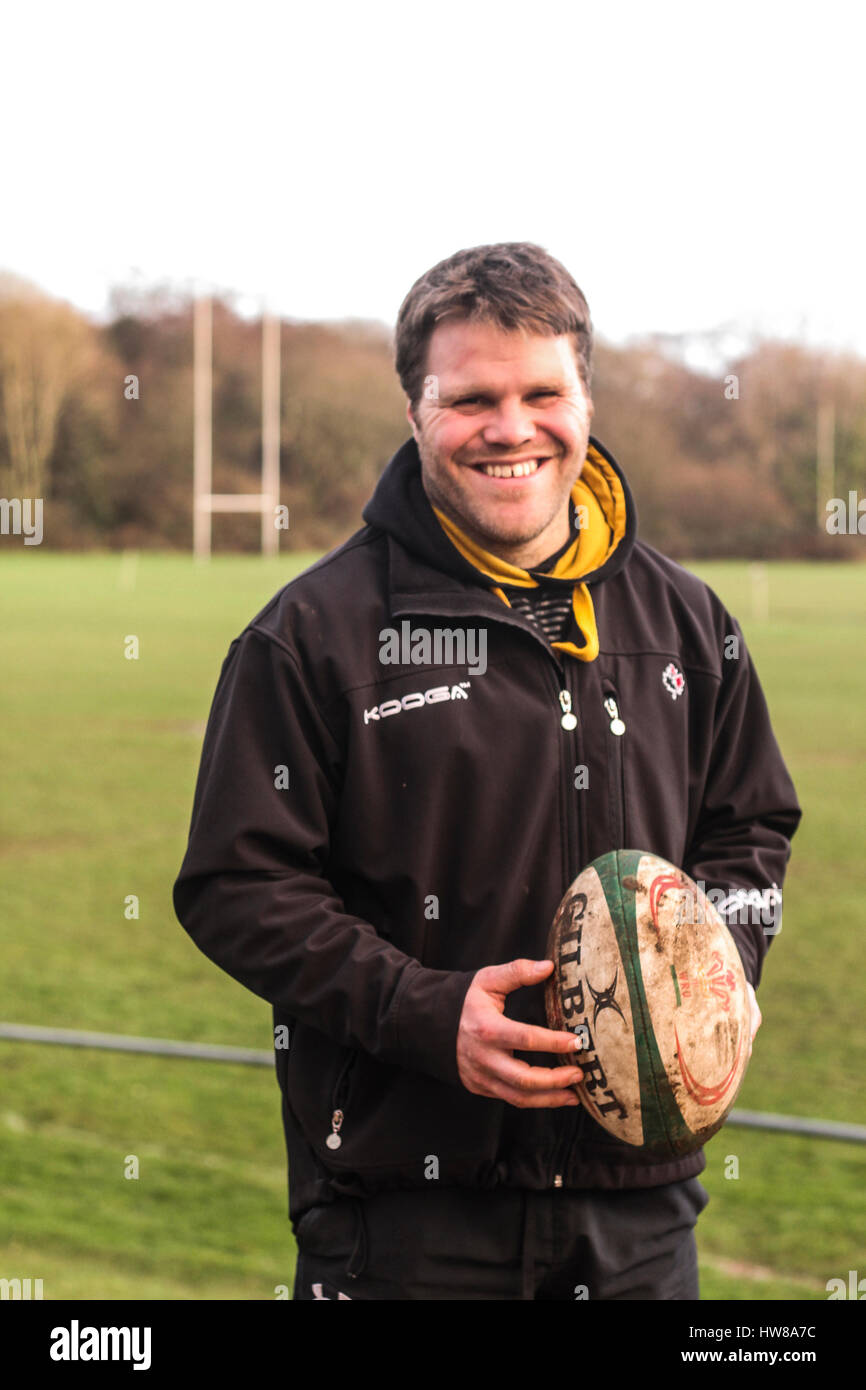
(45, 347)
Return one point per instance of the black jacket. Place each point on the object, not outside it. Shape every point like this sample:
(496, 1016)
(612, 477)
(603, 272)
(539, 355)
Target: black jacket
(365, 837)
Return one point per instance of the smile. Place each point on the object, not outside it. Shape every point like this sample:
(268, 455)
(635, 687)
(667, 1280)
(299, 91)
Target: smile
(523, 469)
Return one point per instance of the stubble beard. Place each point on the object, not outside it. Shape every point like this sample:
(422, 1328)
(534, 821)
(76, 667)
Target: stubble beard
(499, 537)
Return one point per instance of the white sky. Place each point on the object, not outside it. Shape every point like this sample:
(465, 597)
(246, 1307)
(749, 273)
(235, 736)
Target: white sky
(691, 164)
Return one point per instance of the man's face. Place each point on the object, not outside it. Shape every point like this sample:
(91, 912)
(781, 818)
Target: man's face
(504, 399)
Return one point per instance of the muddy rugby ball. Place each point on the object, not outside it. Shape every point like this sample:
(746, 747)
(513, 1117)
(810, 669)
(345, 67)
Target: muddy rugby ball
(649, 978)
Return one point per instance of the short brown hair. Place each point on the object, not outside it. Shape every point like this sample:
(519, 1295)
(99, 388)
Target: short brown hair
(514, 284)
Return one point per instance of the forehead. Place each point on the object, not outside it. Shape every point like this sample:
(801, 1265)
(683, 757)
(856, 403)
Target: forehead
(467, 351)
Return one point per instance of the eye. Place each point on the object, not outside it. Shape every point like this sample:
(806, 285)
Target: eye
(471, 401)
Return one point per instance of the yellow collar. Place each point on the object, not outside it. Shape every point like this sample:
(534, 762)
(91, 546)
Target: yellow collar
(600, 506)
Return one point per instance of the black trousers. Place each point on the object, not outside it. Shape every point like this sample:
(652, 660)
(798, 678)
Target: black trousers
(453, 1243)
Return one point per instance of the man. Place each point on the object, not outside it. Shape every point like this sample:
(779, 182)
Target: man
(412, 751)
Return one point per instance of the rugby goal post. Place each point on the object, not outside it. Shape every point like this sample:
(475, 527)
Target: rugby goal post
(204, 501)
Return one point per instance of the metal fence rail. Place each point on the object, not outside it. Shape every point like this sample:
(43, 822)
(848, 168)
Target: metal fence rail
(248, 1056)
(117, 1042)
(793, 1124)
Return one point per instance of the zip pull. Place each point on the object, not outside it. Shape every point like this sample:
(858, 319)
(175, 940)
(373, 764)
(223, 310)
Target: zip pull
(616, 725)
(568, 720)
(333, 1140)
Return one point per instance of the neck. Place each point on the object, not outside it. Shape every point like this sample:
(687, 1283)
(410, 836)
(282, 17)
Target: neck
(524, 554)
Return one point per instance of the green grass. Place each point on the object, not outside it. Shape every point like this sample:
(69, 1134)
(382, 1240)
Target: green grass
(99, 757)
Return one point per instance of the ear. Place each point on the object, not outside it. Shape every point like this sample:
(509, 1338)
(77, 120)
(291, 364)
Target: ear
(411, 418)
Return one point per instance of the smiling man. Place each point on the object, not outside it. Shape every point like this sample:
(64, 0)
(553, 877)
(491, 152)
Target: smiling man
(503, 435)
(378, 850)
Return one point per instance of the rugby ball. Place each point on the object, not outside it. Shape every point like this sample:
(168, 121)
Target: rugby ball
(650, 979)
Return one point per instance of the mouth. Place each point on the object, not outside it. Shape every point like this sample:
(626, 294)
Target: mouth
(516, 468)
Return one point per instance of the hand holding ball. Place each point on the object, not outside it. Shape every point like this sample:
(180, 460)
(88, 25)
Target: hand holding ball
(649, 978)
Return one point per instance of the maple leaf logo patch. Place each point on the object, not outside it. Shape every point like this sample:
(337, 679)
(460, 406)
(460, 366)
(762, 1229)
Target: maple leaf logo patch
(673, 680)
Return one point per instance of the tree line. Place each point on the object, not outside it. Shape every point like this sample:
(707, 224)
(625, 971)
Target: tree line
(96, 419)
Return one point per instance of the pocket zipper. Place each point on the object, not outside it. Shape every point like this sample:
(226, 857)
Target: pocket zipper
(333, 1140)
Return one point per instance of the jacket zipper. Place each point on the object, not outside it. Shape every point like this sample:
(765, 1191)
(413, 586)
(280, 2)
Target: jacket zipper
(615, 763)
(575, 826)
(338, 1100)
(616, 796)
(569, 723)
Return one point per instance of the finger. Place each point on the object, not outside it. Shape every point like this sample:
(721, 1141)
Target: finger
(486, 1083)
(502, 979)
(529, 1037)
(521, 1076)
(537, 1100)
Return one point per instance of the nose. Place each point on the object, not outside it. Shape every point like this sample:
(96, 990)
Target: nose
(510, 425)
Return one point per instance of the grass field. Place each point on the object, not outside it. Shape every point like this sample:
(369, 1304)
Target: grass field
(99, 756)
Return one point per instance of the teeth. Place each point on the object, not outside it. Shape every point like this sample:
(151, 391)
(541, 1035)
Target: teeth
(517, 470)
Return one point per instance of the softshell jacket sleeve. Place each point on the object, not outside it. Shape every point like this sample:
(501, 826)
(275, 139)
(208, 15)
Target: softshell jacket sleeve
(253, 892)
(748, 811)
